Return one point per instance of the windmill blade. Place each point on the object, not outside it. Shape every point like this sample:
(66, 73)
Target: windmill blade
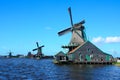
(64, 31)
(78, 25)
(82, 22)
(35, 49)
(42, 46)
(69, 10)
(37, 44)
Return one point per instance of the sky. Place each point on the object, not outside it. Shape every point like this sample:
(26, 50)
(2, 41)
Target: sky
(25, 22)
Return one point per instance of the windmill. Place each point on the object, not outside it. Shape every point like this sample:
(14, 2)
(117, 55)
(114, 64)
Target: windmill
(78, 33)
(10, 54)
(39, 50)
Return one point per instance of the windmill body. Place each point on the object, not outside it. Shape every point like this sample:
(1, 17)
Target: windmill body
(77, 37)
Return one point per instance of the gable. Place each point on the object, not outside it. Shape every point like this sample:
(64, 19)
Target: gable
(88, 47)
(76, 49)
(60, 54)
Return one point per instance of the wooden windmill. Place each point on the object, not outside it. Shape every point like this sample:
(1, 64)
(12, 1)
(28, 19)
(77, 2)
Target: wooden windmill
(39, 50)
(78, 34)
(80, 50)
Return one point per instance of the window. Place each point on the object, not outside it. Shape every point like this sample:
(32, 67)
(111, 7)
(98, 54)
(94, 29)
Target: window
(73, 56)
(91, 55)
(80, 57)
(92, 51)
(88, 49)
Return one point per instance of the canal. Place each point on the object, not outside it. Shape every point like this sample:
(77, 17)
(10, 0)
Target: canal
(44, 69)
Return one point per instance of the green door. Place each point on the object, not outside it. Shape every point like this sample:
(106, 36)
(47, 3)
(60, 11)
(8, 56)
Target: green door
(88, 57)
(107, 57)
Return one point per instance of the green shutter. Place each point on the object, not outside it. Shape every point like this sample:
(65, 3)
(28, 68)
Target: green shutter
(88, 58)
(107, 57)
(73, 56)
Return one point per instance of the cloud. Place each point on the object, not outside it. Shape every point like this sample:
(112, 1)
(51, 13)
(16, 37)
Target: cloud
(98, 40)
(113, 51)
(115, 39)
(112, 39)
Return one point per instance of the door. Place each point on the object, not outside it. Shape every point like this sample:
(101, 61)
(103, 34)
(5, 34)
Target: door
(107, 57)
(88, 58)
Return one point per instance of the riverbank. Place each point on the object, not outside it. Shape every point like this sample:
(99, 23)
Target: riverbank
(117, 64)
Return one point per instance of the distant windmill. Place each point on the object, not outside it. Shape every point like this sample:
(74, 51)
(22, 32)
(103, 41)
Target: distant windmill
(78, 33)
(39, 50)
(10, 54)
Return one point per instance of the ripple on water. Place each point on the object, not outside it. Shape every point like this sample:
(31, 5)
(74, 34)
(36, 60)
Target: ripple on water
(31, 69)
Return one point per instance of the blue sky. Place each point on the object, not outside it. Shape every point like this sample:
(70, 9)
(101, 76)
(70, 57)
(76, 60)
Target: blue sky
(23, 22)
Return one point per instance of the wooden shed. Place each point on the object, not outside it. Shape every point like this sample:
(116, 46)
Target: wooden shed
(61, 57)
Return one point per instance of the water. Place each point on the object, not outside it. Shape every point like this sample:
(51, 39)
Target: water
(31, 69)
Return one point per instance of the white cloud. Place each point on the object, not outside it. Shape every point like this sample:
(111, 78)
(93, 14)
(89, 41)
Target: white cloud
(113, 51)
(115, 39)
(98, 39)
(112, 39)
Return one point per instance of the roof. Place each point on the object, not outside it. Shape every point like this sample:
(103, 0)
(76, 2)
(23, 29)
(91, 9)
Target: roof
(83, 45)
(107, 54)
(76, 48)
(61, 53)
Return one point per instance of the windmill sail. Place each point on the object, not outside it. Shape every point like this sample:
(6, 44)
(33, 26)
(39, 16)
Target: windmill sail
(64, 31)
(37, 44)
(69, 10)
(35, 49)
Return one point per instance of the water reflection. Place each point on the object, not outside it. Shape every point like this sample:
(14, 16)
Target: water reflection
(31, 69)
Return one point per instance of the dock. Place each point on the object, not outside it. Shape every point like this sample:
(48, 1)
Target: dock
(83, 62)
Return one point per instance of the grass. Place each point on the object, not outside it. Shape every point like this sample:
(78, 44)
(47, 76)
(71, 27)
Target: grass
(117, 63)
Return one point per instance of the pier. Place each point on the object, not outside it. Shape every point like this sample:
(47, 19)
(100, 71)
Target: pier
(83, 62)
